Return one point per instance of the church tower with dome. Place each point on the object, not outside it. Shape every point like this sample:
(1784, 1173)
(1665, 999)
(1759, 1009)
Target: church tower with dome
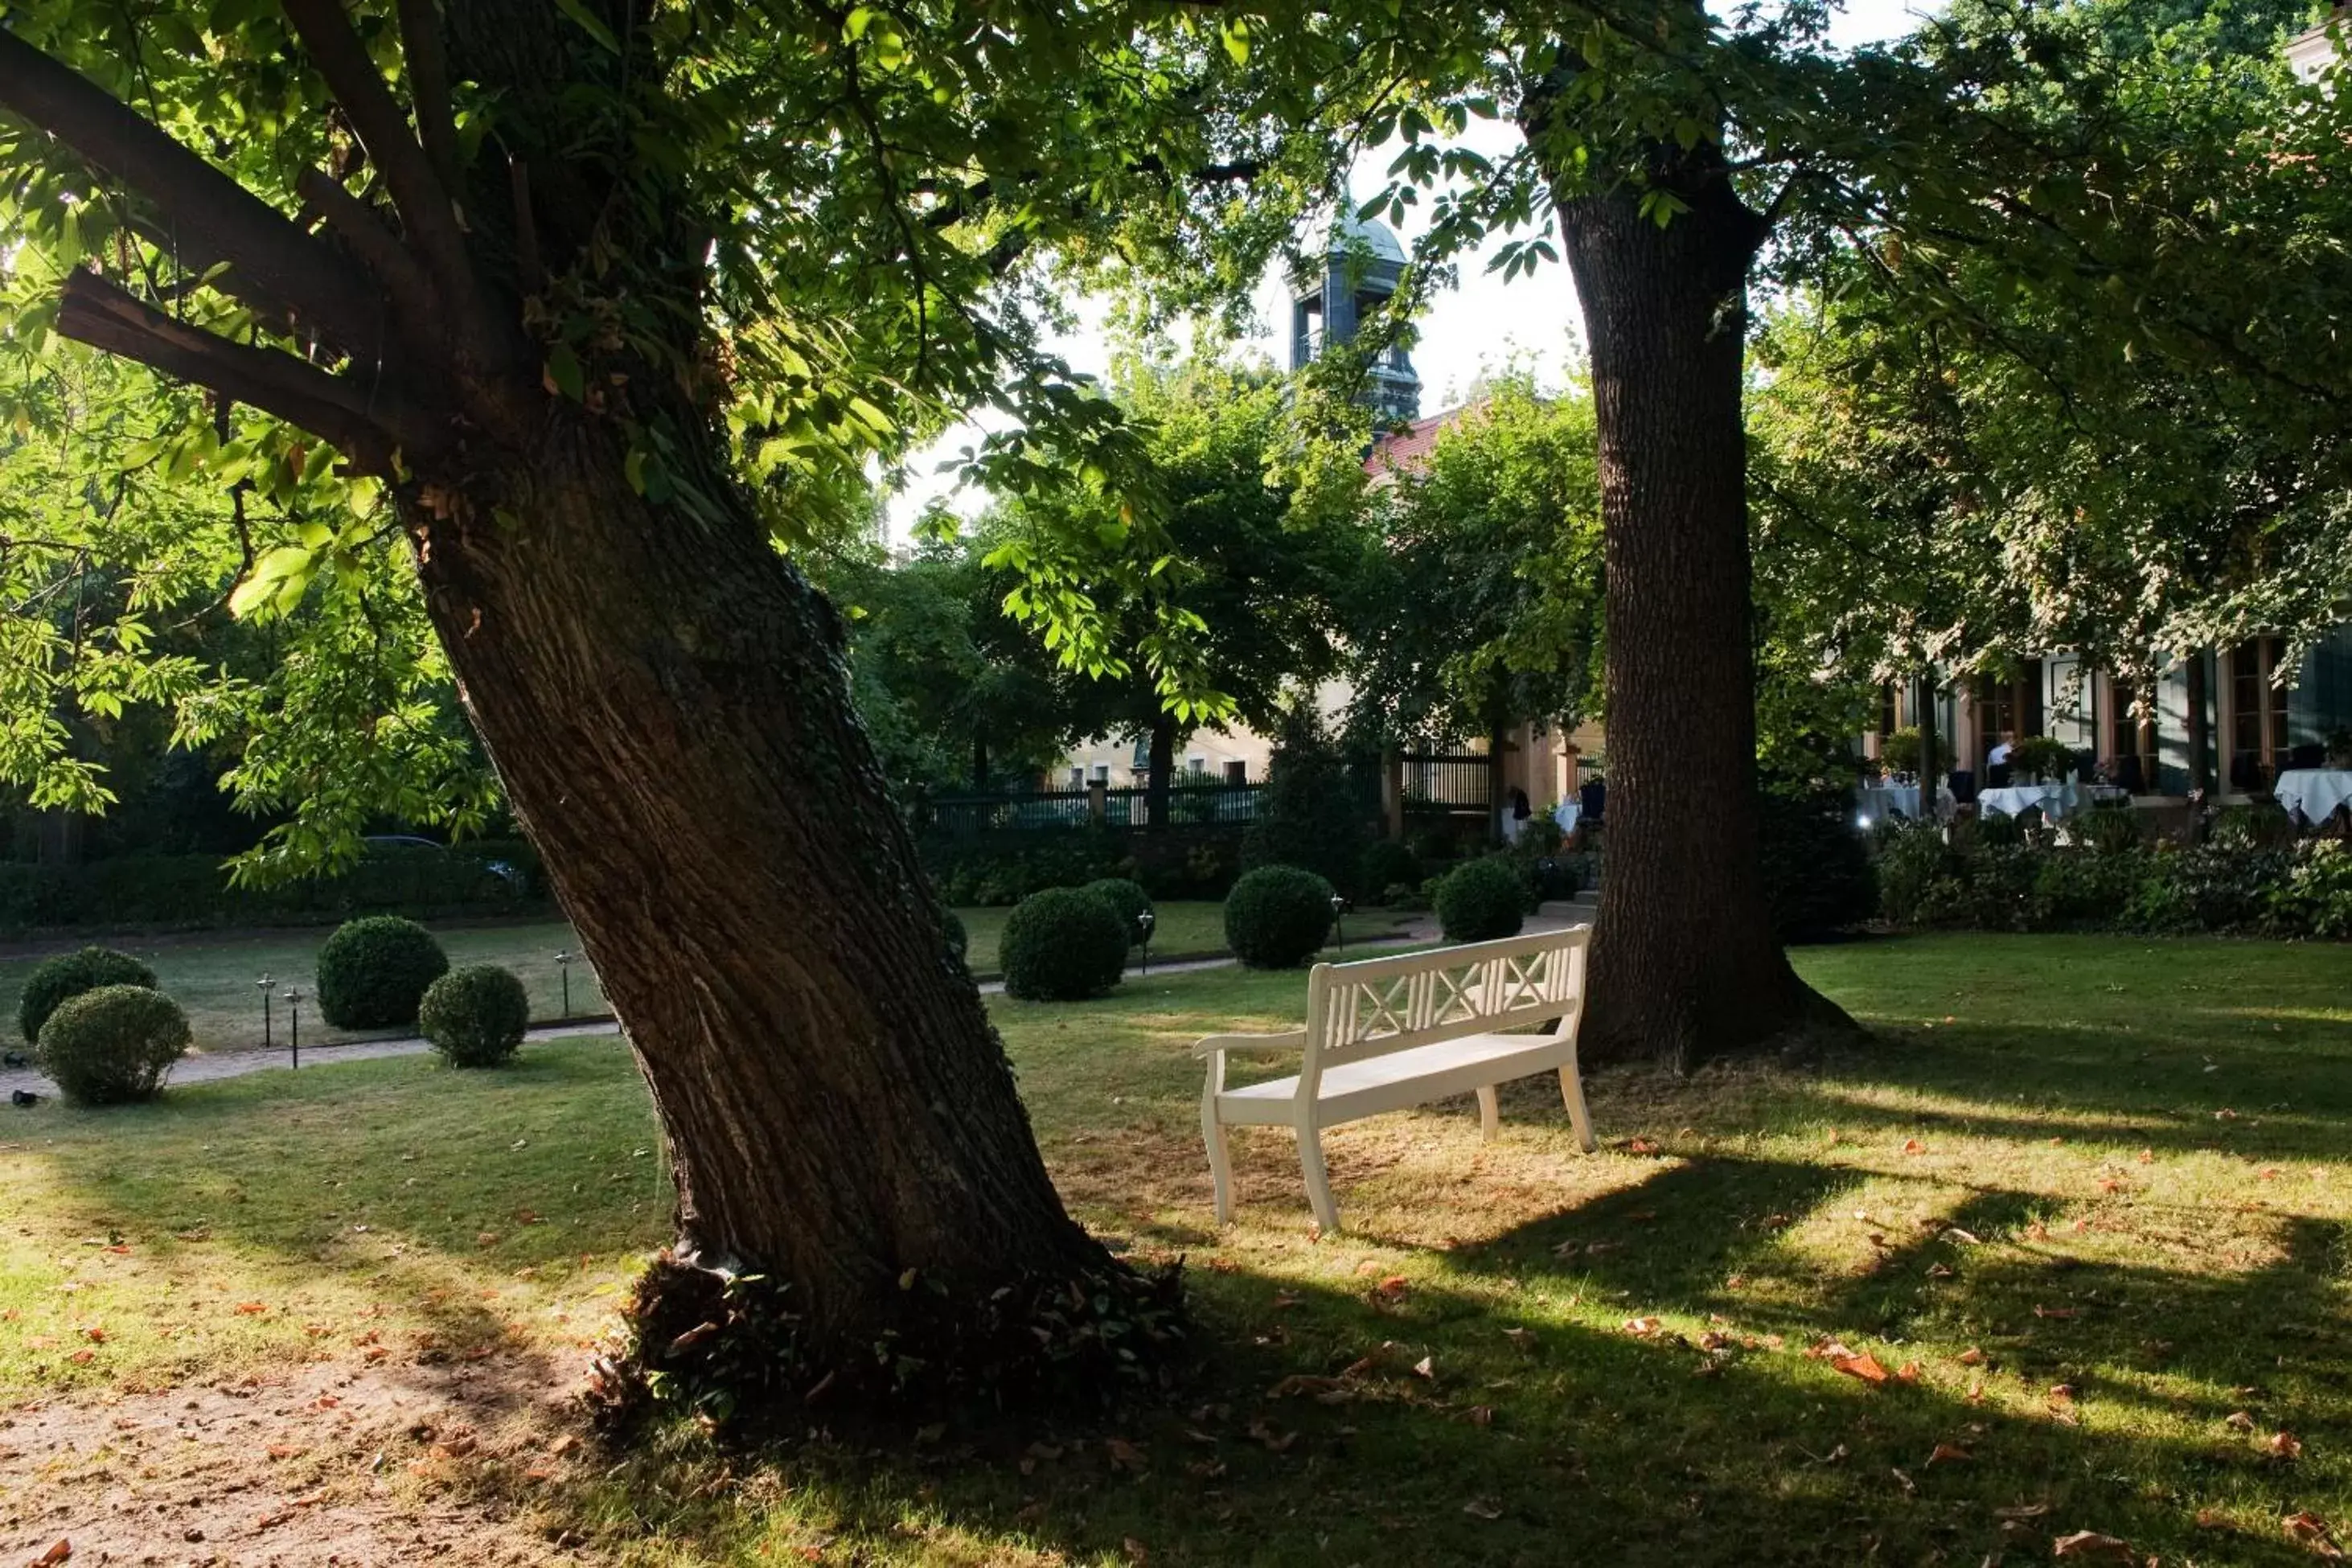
(1363, 264)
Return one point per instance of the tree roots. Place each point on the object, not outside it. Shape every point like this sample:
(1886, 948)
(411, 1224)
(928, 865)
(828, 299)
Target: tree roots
(731, 1352)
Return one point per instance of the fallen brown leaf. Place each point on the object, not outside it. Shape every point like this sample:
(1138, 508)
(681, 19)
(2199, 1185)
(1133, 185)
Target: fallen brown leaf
(1948, 1454)
(1971, 1357)
(2309, 1530)
(1642, 1328)
(1863, 1366)
(54, 1554)
(2240, 1420)
(2286, 1446)
(2090, 1544)
(2017, 1512)
(1479, 1508)
(1125, 1456)
(1913, 1146)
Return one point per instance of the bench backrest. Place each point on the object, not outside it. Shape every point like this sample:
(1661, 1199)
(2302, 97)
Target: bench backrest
(1381, 1004)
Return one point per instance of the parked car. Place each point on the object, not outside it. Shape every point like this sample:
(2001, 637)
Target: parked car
(504, 870)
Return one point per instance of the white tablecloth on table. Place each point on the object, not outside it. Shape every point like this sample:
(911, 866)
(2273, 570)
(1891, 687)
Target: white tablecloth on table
(1880, 801)
(2313, 792)
(2056, 800)
(1566, 813)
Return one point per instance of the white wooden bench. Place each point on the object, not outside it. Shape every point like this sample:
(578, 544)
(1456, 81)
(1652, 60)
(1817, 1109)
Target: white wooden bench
(1387, 1034)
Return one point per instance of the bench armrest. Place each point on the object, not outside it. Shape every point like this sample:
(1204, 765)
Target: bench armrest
(1252, 1044)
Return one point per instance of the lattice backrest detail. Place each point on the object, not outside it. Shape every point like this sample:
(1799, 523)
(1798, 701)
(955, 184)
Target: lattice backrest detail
(1382, 1004)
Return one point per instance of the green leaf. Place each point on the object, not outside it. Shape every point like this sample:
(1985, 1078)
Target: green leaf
(563, 373)
(589, 24)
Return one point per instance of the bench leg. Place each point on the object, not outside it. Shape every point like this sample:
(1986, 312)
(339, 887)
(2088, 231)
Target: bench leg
(1571, 1089)
(1490, 1114)
(1221, 1166)
(1318, 1180)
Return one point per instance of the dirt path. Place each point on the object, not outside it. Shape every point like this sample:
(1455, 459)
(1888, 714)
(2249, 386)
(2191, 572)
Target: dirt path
(331, 1463)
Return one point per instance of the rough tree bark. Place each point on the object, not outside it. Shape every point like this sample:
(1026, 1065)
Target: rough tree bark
(664, 696)
(1159, 775)
(1684, 962)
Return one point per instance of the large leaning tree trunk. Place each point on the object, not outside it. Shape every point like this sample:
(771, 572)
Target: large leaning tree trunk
(1684, 962)
(665, 699)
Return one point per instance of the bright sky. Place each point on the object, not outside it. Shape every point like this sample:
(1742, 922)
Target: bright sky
(1483, 325)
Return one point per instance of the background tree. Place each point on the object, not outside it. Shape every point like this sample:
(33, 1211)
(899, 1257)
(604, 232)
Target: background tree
(1257, 546)
(1481, 610)
(2120, 438)
(954, 692)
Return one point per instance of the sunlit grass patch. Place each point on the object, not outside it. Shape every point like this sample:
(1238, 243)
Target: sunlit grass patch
(2090, 1298)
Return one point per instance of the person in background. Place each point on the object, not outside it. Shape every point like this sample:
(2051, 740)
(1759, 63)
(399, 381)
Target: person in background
(1515, 820)
(1997, 760)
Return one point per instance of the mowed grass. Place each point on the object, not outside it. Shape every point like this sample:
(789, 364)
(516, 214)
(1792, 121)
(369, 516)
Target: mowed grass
(2084, 1203)
(216, 977)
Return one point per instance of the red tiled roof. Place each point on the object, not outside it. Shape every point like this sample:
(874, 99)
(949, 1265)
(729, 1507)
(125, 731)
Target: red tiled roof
(1407, 449)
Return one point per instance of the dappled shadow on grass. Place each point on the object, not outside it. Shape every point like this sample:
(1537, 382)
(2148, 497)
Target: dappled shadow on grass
(293, 1215)
(1324, 1436)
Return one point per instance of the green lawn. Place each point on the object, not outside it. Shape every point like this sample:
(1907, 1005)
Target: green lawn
(214, 977)
(2085, 1203)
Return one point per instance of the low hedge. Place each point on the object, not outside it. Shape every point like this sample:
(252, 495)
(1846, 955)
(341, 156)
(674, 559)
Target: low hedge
(1062, 945)
(1482, 900)
(475, 1016)
(113, 1046)
(1129, 900)
(61, 979)
(373, 973)
(1999, 878)
(191, 891)
(1277, 917)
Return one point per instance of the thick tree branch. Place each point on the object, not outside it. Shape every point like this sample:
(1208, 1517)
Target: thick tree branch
(429, 85)
(378, 249)
(274, 268)
(370, 425)
(425, 206)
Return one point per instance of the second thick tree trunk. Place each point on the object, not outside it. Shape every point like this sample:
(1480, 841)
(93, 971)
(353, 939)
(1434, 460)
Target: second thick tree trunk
(1685, 962)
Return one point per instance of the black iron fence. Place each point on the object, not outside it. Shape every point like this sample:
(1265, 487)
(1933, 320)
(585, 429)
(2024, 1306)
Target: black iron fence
(968, 816)
(1446, 783)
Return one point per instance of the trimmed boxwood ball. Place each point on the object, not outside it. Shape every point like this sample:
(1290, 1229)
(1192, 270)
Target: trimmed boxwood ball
(373, 973)
(1481, 901)
(959, 938)
(1277, 916)
(1062, 945)
(1127, 898)
(113, 1045)
(66, 977)
(475, 1016)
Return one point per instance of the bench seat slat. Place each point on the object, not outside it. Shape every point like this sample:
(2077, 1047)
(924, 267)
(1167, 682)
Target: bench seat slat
(1398, 1081)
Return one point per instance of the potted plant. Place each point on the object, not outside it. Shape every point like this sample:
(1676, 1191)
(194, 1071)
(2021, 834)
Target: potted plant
(1898, 752)
(2041, 760)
